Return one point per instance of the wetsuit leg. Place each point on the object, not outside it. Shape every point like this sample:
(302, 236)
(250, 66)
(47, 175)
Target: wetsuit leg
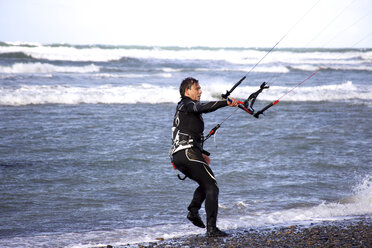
(191, 163)
(197, 200)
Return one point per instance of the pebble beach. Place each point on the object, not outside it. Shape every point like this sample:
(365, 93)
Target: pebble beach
(346, 233)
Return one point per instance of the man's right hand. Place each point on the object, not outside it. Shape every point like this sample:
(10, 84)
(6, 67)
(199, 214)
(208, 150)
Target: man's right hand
(232, 102)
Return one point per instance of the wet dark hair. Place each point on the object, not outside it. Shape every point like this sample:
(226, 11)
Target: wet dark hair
(186, 84)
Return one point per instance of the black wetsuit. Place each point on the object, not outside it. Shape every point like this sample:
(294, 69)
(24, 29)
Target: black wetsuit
(188, 120)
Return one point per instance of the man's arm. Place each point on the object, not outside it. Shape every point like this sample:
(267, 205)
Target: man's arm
(207, 107)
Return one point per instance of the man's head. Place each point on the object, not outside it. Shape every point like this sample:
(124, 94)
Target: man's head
(190, 88)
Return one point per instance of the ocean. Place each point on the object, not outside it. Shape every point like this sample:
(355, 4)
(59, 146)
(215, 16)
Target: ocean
(85, 133)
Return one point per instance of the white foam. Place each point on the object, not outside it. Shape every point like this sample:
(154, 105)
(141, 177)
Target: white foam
(358, 204)
(147, 93)
(97, 54)
(46, 68)
(261, 68)
(346, 91)
(316, 67)
(116, 237)
(132, 75)
(65, 53)
(234, 56)
(105, 94)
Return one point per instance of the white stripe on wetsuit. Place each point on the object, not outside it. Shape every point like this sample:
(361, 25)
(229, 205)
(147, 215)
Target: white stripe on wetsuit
(203, 163)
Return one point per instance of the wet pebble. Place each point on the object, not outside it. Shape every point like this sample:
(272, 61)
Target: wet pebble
(328, 234)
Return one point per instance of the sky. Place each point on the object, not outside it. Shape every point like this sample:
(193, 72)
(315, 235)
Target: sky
(213, 23)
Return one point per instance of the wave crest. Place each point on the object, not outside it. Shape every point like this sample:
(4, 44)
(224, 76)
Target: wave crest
(105, 94)
(147, 93)
(47, 68)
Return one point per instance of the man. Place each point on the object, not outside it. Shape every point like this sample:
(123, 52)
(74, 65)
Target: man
(188, 155)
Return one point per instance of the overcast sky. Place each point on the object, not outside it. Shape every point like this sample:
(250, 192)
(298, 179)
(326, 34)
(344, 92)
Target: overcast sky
(247, 23)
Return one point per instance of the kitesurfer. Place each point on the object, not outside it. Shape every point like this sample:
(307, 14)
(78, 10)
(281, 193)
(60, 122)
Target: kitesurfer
(189, 157)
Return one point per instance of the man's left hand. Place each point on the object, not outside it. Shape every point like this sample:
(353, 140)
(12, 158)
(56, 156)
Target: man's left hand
(207, 159)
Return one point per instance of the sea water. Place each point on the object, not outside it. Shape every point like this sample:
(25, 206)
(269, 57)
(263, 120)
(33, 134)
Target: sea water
(85, 133)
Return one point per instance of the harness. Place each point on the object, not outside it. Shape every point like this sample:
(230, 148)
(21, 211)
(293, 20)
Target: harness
(180, 141)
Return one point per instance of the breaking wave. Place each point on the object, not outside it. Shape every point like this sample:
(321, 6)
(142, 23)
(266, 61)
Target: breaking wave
(154, 94)
(243, 56)
(46, 68)
(358, 204)
(106, 94)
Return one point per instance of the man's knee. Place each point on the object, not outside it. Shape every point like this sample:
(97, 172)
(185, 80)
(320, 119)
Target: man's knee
(212, 189)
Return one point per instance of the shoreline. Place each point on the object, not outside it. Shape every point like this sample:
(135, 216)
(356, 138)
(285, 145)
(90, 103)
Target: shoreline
(341, 233)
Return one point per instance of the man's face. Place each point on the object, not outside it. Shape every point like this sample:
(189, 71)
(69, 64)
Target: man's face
(194, 92)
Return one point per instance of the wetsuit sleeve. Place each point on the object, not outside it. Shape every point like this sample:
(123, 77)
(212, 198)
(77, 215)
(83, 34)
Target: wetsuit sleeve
(197, 107)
